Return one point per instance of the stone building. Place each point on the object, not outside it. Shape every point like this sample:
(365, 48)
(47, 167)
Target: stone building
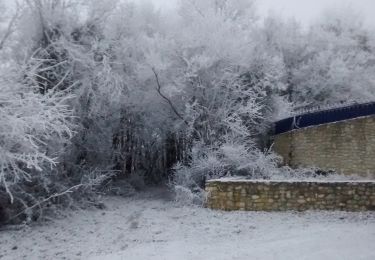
(340, 139)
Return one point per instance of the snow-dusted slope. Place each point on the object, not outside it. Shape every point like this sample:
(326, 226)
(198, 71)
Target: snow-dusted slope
(146, 229)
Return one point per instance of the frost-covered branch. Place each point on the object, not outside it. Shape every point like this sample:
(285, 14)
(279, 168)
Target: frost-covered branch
(158, 89)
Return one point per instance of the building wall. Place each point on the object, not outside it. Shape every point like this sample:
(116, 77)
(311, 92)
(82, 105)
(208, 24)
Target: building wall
(347, 147)
(281, 196)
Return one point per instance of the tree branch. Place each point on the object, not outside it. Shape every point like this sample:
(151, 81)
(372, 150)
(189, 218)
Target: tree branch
(158, 89)
(70, 190)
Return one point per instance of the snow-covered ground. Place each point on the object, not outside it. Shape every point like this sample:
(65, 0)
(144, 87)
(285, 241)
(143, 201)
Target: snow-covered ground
(148, 227)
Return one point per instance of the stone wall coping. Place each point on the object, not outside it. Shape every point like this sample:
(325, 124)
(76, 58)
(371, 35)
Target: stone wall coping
(235, 180)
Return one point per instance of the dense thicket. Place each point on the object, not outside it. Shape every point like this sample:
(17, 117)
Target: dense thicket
(93, 91)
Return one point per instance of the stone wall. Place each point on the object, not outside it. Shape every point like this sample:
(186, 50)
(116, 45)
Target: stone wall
(299, 195)
(347, 147)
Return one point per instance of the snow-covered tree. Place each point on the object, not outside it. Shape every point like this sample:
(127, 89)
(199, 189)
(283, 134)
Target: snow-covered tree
(223, 76)
(190, 92)
(338, 65)
(33, 127)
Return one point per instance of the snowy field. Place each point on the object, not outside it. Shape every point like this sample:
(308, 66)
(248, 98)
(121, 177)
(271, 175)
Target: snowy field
(142, 228)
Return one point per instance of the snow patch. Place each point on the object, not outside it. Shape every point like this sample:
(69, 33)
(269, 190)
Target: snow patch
(144, 229)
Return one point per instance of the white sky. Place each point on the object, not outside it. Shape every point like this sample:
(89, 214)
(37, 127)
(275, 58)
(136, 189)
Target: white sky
(303, 10)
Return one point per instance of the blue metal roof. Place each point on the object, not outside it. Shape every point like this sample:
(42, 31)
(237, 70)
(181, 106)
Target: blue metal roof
(324, 117)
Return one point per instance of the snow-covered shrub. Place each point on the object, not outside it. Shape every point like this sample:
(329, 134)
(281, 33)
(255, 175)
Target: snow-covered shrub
(29, 123)
(217, 162)
(35, 128)
(250, 162)
(186, 196)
